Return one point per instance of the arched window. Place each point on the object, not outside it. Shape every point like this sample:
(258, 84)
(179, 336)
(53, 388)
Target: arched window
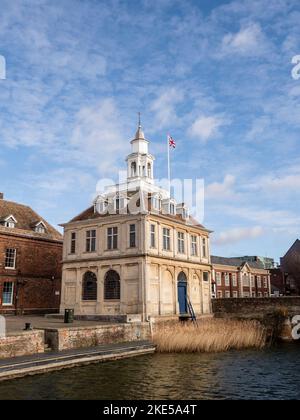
(112, 285)
(133, 169)
(89, 286)
(149, 170)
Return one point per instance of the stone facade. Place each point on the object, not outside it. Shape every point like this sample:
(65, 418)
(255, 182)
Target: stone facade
(157, 257)
(30, 274)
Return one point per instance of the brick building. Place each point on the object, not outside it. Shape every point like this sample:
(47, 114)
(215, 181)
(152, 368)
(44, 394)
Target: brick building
(30, 261)
(233, 278)
(278, 282)
(290, 267)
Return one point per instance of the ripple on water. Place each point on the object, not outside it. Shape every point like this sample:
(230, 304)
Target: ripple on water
(269, 374)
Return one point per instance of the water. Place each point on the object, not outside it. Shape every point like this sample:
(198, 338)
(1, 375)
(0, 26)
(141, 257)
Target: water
(269, 374)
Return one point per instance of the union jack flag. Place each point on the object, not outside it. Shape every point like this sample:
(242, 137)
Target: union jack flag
(172, 142)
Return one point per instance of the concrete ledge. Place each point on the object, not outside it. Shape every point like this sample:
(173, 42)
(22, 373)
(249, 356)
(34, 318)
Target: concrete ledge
(101, 318)
(22, 344)
(90, 336)
(15, 368)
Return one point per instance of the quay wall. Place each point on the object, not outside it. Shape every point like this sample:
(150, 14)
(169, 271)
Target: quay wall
(270, 311)
(22, 344)
(79, 337)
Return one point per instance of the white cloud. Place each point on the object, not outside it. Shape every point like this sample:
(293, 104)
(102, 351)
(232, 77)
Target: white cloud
(205, 127)
(98, 137)
(221, 190)
(249, 40)
(164, 107)
(237, 235)
(260, 127)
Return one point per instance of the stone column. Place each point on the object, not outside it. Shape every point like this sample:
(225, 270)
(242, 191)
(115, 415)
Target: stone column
(79, 275)
(100, 291)
(159, 290)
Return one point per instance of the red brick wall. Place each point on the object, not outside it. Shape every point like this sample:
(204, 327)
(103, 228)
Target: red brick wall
(235, 290)
(37, 276)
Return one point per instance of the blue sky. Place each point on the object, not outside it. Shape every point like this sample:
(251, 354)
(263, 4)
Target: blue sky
(217, 75)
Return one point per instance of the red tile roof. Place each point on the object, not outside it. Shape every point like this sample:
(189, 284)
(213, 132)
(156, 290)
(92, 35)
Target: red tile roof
(26, 220)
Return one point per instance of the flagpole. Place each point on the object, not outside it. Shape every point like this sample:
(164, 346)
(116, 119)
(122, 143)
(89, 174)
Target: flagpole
(169, 167)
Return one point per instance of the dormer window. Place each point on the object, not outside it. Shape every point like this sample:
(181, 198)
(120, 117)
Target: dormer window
(40, 228)
(169, 206)
(183, 211)
(155, 203)
(101, 205)
(10, 222)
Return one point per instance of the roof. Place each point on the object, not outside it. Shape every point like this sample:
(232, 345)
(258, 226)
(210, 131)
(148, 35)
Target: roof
(236, 262)
(295, 248)
(89, 214)
(26, 219)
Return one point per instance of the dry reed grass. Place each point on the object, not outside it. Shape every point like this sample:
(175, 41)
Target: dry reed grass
(213, 335)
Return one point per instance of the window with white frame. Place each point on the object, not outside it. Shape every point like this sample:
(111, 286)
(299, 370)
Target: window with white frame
(227, 280)
(227, 294)
(40, 228)
(10, 258)
(219, 279)
(10, 223)
(259, 294)
(180, 237)
(155, 201)
(153, 236)
(7, 293)
(194, 247)
(172, 209)
(265, 282)
(132, 236)
(266, 294)
(235, 294)
(253, 282)
(204, 249)
(259, 282)
(73, 243)
(91, 240)
(220, 294)
(112, 238)
(166, 239)
(246, 281)
(234, 280)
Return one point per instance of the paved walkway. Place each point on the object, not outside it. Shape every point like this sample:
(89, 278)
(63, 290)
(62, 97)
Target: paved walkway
(41, 363)
(17, 323)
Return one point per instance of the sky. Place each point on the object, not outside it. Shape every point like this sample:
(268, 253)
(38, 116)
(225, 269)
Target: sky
(215, 74)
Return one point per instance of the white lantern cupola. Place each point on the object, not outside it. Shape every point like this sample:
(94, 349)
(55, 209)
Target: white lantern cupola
(140, 161)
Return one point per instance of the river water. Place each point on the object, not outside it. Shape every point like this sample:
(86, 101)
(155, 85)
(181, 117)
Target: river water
(269, 374)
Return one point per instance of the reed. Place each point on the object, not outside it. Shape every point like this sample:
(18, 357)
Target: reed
(213, 335)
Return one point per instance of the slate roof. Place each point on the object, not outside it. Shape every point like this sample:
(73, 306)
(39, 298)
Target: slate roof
(89, 214)
(26, 221)
(236, 262)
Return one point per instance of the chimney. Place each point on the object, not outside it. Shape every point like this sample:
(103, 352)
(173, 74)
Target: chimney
(1, 196)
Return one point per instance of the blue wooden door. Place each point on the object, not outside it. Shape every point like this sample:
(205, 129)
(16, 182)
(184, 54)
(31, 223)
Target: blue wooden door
(182, 293)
